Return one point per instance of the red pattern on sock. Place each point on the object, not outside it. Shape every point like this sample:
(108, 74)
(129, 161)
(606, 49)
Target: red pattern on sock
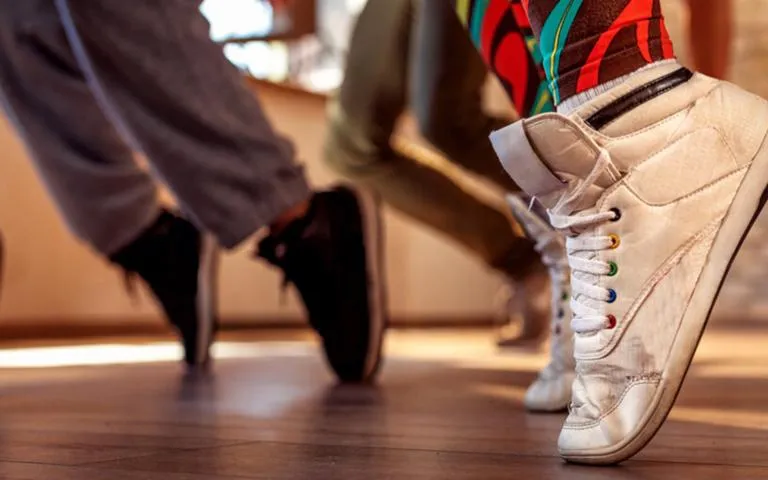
(636, 13)
(521, 16)
(493, 15)
(512, 64)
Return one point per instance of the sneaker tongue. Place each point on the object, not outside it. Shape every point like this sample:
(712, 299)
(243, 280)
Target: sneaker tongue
(536, 226)
(546, 154)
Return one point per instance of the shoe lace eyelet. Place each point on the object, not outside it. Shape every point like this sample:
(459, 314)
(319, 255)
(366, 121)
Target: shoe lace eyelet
(564, 296)
(614, 269)
(616, 214)
(611, 295)
(615, 241)
(611, 322)
(560, 313)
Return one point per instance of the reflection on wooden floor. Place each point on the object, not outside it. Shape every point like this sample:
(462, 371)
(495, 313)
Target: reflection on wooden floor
(448, 406)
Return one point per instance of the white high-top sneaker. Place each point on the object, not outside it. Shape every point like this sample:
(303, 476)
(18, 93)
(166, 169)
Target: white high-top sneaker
(656, 183)
(551, 392)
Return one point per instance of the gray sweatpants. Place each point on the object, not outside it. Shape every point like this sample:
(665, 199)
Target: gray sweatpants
(89, 83)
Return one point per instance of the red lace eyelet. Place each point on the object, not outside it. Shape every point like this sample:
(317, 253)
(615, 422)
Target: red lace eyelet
(611, 322)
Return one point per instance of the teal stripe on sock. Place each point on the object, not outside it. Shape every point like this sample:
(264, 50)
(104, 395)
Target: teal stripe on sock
(553, 37)
(478, 14)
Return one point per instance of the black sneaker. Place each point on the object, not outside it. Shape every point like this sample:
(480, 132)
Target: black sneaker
(179, 264)
(334, 257)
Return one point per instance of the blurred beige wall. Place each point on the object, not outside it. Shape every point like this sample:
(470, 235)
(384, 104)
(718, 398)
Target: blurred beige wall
(51, 276)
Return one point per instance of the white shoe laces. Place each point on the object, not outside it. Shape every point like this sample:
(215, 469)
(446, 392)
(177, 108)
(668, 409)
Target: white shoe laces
(582, 245)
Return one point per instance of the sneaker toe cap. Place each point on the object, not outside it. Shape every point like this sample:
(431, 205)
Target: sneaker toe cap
(612, 430)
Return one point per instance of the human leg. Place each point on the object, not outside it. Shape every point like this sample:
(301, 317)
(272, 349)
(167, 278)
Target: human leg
(157, 74)
(360, 145)
(104, 196)
(501, 32)
(173, 93)
(585, 44)
(446, 79)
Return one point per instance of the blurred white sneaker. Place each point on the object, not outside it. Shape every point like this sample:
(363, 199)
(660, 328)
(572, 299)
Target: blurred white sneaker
(656, 183)
(551, 392)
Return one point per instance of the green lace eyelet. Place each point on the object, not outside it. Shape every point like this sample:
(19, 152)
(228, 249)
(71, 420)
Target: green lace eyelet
(614, 269)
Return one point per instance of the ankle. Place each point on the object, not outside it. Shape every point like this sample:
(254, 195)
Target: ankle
(132, 256)
(587, 43)
(289, 216)
(571, 104)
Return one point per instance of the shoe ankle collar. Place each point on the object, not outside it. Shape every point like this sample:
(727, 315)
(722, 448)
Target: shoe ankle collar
(522, 163)
(544, 153)
(634, 81)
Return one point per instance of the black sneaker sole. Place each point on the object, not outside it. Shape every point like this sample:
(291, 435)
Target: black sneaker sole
(207, 298)
(370, 212)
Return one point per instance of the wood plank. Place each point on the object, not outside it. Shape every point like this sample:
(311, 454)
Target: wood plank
(308, 461)
(447, 406)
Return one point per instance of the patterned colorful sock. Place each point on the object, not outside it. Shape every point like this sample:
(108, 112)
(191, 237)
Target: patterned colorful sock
(585, 43)
(501, 32)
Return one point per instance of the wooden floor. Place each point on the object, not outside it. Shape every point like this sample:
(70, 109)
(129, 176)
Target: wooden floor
(447, 407)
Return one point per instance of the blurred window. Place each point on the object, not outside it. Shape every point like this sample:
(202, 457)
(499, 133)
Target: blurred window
(313, 61)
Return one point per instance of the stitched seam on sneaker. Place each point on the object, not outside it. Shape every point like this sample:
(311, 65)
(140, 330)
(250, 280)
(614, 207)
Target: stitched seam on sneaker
(685, 111)
(698, 191)
(596, 422)
(658, 94)
(609, 139)
(674, 142)
(647, 289)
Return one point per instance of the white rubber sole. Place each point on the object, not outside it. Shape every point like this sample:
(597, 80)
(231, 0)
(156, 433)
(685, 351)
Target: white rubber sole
(747, 204)
(377, 285)
(207, 296)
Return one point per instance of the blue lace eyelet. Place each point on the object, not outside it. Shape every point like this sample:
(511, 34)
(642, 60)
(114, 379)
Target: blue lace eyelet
(611, 295)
